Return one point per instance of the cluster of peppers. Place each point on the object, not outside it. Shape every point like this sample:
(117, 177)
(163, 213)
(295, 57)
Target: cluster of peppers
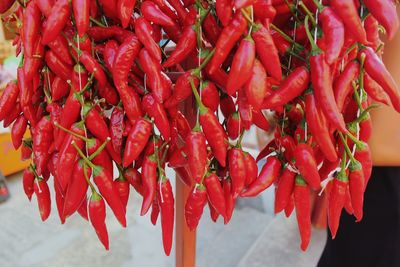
(99, 86)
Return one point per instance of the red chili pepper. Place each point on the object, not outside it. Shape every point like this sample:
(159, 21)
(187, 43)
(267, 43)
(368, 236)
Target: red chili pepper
(97, 215)
(166, 203)
(42, 139)
(269, 173)
(336, 201)
(152, 13)
(303, 210)
(356, 188)
(8, 99)
(291, 87)
(226, 41)
(157, 111)
(59, 88)
(307, 165)
(117, 127)
(182, 89)
(12, 115)
(81, 10)
(25, 89)
(155, 210)
(237, 170)
(260, 120)
(251, 168)
(30, 28)
(211, 29)
(348, 12)
(32, 64)
(363, 155)
(284, 190)
(378, 72)
(134, 178)
(57, 66)
(93, 67)
(195, 205)
(179, 8)
(28, 179)
(209, 95)
(26, 151)
(267, 51)
(185, 46)
(5, 5)
(109, 54)
(233, 126)
(98, 127)
(60, 13)
(43, 197)
(149, 182)
(242, 65)
(77, 189)
(29, 114)
(60, 47)
(319, 128)
(167, 9)
(375, 91)
(178, 158)
(342, 86)
(125, 11)
(137, 139)
(229, 200)
(101, 158)
(215, 193)
(143, 31)
(385, 12)
(18, 131)
(123, 62)
(371, 26)
(224, 11)
(109, 8)
(122, 186)
(256, 88)
(197, 154)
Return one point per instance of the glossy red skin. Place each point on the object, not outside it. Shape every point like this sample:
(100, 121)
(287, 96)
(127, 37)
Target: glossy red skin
(237, 170)
(152, 13)
(337, 199)
(342, 86)
(57, 66)
(211, 29)
(81, 9)
(375, 91)
(109, 54)
(125, 10)
(98, 127)
(268, 175)
(385, 12)
(149, 182)
(12, 115)
(322, 83)
(167, 9)
(185, 46)
(8, 99)
(102, 159)
(233, 126)
(32, 64)
(371, 26)
(179, 8)
(92, 66)
(284, 190)
(182, 89)
(215, 193)
(333, 29)
(134, 178)
(267, 51)
(365, 158)
(290, 88)
(59, 89)
(25, 89)
(137, 139)
(28, 179)
(319, 128)
(122, 187)
(184, 176)
(303, 213)
(30, 28)
(167, 207)
(307, 165)
(77, 189)
(109, 8)
(60, 47)
(143, 30)
(5, 5)
(224, 11)
(18, 130)
(260, 120)
(97, 215)
(228, 38)
(356, 188)
(123, 62)
(56, 21)
(42, 193)
(242, 66)
(42, 139)
(155, 110)
(194, 207)
(245, 111)
(209, 95)
(197, 155)
(251, 168)
(256, 88)
(229, 200)
(155, 210)
(378, 72)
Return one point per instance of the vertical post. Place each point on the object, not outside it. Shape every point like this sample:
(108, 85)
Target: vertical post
(185, 239)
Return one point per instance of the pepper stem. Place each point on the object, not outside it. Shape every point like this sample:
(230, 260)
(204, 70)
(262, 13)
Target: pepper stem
(71, 132)
(314, 47)
(87, 178)
(286, 37)
(308, 13)
(202, 108)
(346, 147)
(100, 148)
(98, 23)
(207, 59)
(358, 143)
(87, 161)
(319, 6)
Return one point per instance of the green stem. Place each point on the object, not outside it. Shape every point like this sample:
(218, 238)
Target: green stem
(98, 23)
(196, 95)
(46, 91)
(99, 149)
(319, 6)
(87, 178)
(308, 13)
(71, 132)
(346, 147)
(314, 47)
(364, 113)
(287, 37)
(203, 64)
(87, 161)
(358, 143)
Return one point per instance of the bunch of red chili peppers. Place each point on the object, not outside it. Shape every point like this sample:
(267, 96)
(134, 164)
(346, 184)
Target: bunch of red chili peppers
(99, 86)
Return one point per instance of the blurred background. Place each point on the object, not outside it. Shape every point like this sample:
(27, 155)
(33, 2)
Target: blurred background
(254, 237)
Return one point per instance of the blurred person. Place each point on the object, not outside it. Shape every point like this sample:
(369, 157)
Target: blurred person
(375, 241)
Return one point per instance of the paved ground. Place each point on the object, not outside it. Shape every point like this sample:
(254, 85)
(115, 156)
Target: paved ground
(253, 238)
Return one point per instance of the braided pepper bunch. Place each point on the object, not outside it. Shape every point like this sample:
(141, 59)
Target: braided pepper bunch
(99, 85)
